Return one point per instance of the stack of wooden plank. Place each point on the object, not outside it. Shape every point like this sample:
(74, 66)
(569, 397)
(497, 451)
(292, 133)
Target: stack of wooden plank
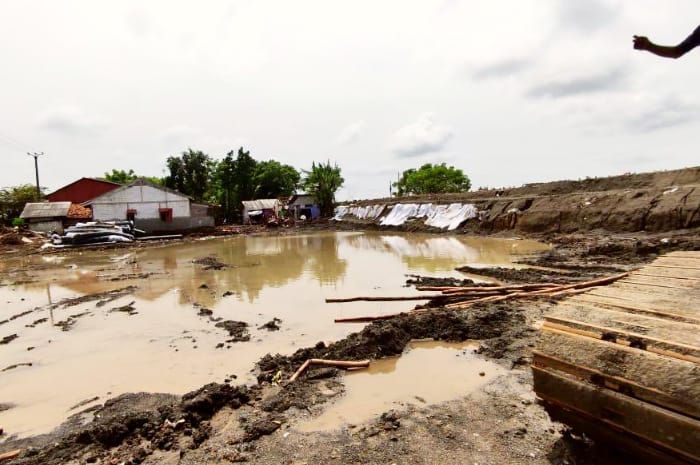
(622, 362)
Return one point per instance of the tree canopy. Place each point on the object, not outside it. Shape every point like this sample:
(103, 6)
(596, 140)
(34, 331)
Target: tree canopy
(127, 177)
(323, 181)
(121, 176)
(12, 200)
(190, 173)
(432, 179)
(243, 178)
(273, 179)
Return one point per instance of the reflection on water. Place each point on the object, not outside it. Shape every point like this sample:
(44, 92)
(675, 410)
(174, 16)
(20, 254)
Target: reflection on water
(428, 372)
(166, 346)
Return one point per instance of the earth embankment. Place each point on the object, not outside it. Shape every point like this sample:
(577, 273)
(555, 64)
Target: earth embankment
(652, 202)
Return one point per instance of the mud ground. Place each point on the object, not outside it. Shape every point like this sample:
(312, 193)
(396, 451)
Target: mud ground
(224, 423)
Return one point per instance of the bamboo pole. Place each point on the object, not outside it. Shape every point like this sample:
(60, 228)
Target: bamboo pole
(575, 288)
(332, 363)
(385, 299)
(10, 455)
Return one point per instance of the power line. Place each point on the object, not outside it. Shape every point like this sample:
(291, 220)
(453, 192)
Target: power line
(14, 142)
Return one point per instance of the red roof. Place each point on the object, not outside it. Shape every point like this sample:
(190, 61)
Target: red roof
(82, 190)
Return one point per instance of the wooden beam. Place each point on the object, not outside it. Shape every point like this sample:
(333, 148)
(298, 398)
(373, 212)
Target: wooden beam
(659, 346)
(589, 299)
(675, 434)
(616, 383)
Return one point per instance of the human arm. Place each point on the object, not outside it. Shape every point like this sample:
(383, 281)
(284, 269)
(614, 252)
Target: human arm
(668, 51)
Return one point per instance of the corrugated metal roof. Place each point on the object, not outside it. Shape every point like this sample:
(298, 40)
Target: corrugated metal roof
(45, 210)
(138, 182)
(261, 204)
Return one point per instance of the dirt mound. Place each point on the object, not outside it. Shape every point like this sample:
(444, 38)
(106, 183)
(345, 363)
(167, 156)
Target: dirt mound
(390, 337)
(237, 330)
(528, 275)
(118, 428)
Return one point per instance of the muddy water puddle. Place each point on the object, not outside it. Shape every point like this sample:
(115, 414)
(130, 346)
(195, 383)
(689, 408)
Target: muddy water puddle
(426, 373)
(161, 335)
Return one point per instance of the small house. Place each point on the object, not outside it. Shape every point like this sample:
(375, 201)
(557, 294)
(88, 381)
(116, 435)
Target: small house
(151, 207)
(259, 211)
(82, 190)
(304, 205)
(53, 216)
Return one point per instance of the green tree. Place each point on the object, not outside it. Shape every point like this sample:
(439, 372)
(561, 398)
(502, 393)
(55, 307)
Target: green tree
(432, 179)
(12, 200)
(191, 173)
(121, 176)
(244, 175)
(273, 179)
(127, 177)
(323, 181)
(234, 181)
(226, 187)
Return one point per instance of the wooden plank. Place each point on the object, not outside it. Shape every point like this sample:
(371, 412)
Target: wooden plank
(639, 325)
(665, 280)
(684, 253)
(622, 386)
(668, 277)
(661, 429)
(666, 302)
(644, 283)
(658, 266)
(639, 341)
(669, 383)
(595, 300)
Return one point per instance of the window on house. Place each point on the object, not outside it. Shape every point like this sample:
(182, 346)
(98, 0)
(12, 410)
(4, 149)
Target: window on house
(166, 214)
(131, 214)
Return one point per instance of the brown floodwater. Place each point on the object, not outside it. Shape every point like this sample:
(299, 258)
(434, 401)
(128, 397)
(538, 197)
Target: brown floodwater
(427, 372)
(166, 345)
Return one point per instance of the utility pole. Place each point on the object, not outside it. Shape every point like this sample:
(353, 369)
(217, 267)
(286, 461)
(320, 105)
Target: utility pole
(36, 156)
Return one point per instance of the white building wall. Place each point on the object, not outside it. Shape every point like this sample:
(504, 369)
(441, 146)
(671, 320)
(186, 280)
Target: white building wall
(146, 200)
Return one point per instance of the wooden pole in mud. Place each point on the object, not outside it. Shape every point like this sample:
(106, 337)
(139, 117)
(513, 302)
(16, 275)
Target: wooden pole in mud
(385, 299)
(331, 363)
(10, 455)
(458, 289)
(550, 291)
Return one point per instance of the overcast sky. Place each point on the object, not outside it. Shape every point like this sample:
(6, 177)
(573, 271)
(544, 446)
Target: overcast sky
(510, 91)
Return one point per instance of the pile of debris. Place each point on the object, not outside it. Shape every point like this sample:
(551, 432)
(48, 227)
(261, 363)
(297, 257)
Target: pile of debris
(17, 236)
(97, 232)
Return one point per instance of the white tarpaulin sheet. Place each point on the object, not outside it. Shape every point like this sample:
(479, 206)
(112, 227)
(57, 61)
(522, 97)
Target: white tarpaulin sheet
(437, 216)
(452, 217)
(340, 212)
(399, 214)
(369, 212)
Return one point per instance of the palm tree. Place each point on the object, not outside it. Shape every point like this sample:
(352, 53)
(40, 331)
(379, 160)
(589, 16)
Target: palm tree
(322, 182)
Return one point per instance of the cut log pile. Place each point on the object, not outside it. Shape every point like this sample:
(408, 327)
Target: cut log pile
(460, 298)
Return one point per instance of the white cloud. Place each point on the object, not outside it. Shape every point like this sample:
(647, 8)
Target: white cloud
(421, 137)
(351, 133)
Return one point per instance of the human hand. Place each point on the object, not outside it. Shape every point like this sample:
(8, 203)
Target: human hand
(641, 43)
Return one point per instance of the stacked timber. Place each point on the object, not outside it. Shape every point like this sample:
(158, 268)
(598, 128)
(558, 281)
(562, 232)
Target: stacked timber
(622, 362)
